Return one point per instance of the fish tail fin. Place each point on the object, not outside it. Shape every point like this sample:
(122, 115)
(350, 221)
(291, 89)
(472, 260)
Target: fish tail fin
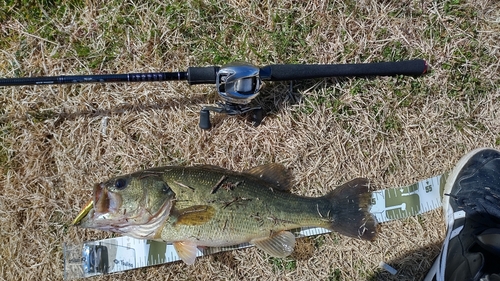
(349, 208)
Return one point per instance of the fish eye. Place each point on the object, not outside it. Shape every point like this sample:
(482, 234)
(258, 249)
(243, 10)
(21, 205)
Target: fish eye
(120, 184)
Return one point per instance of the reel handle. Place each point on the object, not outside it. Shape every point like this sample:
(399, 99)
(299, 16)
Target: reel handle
(205, 123)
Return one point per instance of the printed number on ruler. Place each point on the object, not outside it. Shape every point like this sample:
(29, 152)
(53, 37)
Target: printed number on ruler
(402, 202)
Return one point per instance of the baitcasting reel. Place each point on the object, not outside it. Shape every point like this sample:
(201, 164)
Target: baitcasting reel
(238, 83)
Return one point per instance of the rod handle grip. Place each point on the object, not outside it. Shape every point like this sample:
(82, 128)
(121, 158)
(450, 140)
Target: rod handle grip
(281, 72)
(202, 75)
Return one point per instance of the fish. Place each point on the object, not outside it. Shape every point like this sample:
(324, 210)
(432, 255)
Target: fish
(201, 206)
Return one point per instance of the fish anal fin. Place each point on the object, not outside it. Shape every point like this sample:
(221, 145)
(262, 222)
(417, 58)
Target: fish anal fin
(194, 215)
(279, 245)
(274, 173)
(186, 250)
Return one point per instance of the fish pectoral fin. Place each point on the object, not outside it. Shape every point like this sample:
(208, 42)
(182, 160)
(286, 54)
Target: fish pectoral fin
(279, 245)
(194, 215)
(274, 173)
(186, 250)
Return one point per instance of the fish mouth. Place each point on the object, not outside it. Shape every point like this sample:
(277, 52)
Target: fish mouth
(102, 212)
(105, 202)
(102, 205)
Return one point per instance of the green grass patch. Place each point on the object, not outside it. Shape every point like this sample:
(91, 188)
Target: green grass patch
(39, 16)
(5, 131)
(289, 35)
(457, 8)
(329, 99)
(283, 264)
(41, 116)
(394, 51)
(335, 275)
(391, 122)
(4, 158)
(319, 241)
(360, 266)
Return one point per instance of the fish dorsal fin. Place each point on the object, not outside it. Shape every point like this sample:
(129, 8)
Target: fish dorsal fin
(274, 173)
(279, 245)
(186, 250)
(194, 215)
(211, 168)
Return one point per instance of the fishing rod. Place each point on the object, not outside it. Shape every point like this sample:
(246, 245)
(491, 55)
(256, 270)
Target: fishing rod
(237, 83)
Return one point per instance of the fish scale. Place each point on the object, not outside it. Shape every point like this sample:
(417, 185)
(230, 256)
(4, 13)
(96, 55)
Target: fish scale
(250, 209)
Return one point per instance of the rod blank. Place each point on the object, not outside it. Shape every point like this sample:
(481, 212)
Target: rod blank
(102, 78)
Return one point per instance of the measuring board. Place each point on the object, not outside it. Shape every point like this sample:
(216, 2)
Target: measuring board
(125, 253)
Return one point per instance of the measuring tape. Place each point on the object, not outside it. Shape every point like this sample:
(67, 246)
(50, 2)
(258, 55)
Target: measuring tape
(125, 253)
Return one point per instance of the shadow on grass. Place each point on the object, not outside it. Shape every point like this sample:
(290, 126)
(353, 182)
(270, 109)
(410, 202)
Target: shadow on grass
(276, 96)
(273, 98)
(93, 109)
(122, 109)
(411, 265)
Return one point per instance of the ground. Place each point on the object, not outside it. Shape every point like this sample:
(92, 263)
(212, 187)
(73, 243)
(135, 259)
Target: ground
(56, 142)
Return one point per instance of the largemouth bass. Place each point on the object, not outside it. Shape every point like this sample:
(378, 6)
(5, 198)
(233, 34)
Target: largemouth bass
(209, 206)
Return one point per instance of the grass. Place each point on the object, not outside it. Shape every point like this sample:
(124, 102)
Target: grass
(283, 264)
(4, 150)
(54, 144)
(335, 275)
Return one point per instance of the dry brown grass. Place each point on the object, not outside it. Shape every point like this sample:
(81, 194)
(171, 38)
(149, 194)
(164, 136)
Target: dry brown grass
(396, 131)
